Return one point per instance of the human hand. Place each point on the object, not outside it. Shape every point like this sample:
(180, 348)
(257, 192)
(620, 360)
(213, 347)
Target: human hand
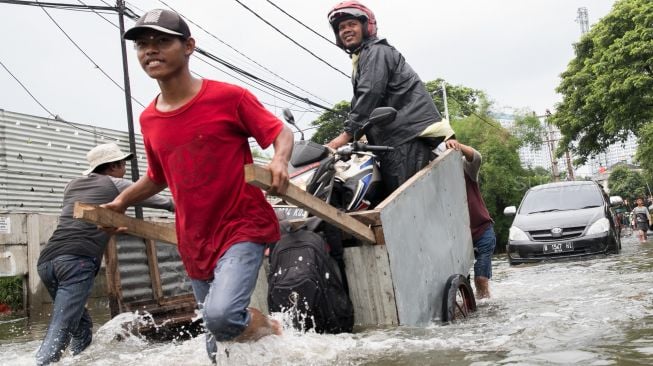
(280, 180)
(119, 208)
(452, 144)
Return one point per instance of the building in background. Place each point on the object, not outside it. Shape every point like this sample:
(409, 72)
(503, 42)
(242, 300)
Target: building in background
(614, 154)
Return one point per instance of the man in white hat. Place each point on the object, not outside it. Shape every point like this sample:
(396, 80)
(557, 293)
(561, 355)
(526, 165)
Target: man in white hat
(71, 259)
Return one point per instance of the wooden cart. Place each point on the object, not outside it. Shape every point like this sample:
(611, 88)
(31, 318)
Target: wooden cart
(413, 243)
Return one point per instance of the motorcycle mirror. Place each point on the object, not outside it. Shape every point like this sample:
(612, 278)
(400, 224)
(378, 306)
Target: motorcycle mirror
(379, 115)
(287, 115)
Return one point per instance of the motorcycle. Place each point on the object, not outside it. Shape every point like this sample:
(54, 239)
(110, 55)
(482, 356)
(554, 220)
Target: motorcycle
(349, 178)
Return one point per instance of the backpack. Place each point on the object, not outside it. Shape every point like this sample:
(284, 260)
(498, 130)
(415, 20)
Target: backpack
(305, 282)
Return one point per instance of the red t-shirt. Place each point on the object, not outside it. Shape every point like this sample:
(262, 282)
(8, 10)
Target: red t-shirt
(199, 150)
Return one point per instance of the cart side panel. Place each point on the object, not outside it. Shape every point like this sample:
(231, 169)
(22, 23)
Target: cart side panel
(370, 285)
(426, 228)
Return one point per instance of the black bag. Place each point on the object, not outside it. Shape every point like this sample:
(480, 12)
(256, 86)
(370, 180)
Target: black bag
(305, 282)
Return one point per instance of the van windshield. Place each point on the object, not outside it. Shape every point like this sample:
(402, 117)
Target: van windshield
(561, 199)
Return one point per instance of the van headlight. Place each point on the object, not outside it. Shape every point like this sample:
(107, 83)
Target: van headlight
(517, 234)
(601, 225)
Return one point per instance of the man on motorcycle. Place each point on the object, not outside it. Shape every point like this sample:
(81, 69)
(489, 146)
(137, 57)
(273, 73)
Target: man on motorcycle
(382, 78)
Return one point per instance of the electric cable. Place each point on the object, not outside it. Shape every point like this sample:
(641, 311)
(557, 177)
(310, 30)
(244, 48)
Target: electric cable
(55, 116)
(242, 54)
(88, 57)
(292, 40)
(304, 25)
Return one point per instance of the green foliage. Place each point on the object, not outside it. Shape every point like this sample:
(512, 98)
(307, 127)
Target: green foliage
(462, 101)
(529, 130)
(607, 88)
(257, 153)
(11, 292)
(627, 183)
(330, 123)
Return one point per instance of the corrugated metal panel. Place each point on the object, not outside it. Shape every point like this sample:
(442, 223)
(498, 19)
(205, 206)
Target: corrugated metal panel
(135, 280)
(39, 156)
(174, 279)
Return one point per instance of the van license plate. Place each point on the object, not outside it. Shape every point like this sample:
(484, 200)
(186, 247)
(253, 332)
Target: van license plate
(558, 247)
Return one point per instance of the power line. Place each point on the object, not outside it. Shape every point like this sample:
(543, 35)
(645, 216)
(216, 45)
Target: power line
(242, 54)
(61, 6)
(87, 56)
(55, 116)
(291, 39)
(304, 25)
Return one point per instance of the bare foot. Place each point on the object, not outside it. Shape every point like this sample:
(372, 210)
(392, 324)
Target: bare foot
(277, 329)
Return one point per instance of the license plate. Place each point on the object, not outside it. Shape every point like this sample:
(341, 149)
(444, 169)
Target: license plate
(558, 247)
(291, 212)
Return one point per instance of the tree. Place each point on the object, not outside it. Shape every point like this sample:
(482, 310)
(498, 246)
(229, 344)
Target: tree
(607, 88)
(461, 100)
(331, 123)
(627, 183)
(528, 129)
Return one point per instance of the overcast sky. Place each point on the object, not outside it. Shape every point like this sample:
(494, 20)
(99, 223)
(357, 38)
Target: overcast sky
(514, 50)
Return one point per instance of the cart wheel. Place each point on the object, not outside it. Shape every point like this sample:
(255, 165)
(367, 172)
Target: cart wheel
(458, 299)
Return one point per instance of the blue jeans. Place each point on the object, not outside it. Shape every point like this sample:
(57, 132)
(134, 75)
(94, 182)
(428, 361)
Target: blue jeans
(69, 280)
(223, 300)
(483, 250)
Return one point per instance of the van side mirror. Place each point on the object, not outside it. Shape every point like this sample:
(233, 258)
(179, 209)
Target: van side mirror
(510, 211)
(616, 201)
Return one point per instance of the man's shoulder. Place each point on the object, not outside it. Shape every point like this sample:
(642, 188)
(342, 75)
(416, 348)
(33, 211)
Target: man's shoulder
(223, 87)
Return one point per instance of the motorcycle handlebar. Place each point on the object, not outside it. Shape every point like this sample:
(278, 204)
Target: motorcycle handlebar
(365, 147)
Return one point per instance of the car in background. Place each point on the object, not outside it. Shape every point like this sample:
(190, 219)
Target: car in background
(563, 220)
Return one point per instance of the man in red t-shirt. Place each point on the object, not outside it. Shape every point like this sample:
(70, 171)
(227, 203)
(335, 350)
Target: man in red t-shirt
(195, 134)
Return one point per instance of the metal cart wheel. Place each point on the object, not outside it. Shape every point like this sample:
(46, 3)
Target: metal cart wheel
(458, 299)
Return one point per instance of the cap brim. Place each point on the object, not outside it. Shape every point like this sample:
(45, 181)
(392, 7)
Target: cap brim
(90, 170)
(133, 33)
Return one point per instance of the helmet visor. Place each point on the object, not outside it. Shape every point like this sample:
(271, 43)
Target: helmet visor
(338, 14)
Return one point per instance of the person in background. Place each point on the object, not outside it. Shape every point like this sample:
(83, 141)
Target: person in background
(71, 259)
(481, 224)
(382, 78)
(642, 220)
(196, 134)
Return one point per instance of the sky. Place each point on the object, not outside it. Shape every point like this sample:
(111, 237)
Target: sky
(513, 50)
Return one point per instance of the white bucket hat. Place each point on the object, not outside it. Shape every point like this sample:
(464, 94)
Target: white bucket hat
(102, 154)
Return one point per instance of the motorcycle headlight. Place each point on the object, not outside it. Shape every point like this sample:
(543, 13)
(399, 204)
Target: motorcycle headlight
(517, 234)
(601, 225)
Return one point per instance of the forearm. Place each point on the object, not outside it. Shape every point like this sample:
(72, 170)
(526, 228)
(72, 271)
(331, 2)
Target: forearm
(342, 139)
(283, 145)
(137, 192)
(467, 151)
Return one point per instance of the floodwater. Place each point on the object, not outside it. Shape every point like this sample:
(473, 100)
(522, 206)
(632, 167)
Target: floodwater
(596, 311)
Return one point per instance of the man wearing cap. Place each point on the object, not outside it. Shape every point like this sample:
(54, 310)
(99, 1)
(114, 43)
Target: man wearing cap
(196, 134)
(71, 259)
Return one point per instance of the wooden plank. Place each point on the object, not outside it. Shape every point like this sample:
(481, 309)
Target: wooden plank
(105, 217)
(35, 297)
(114, 290)
(153, 263)
(368, 217)
(260, 177)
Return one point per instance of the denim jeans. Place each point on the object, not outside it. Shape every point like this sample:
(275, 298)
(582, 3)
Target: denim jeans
(483, 250)
(69, 280)
(223, 300)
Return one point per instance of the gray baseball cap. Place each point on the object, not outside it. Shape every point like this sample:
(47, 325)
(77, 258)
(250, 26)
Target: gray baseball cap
(161, 20)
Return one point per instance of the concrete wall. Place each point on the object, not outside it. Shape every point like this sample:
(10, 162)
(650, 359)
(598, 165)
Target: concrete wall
(21, 238)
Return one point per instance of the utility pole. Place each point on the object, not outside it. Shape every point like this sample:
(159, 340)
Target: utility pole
(551, 141)
(120, 5)
(444, 99)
